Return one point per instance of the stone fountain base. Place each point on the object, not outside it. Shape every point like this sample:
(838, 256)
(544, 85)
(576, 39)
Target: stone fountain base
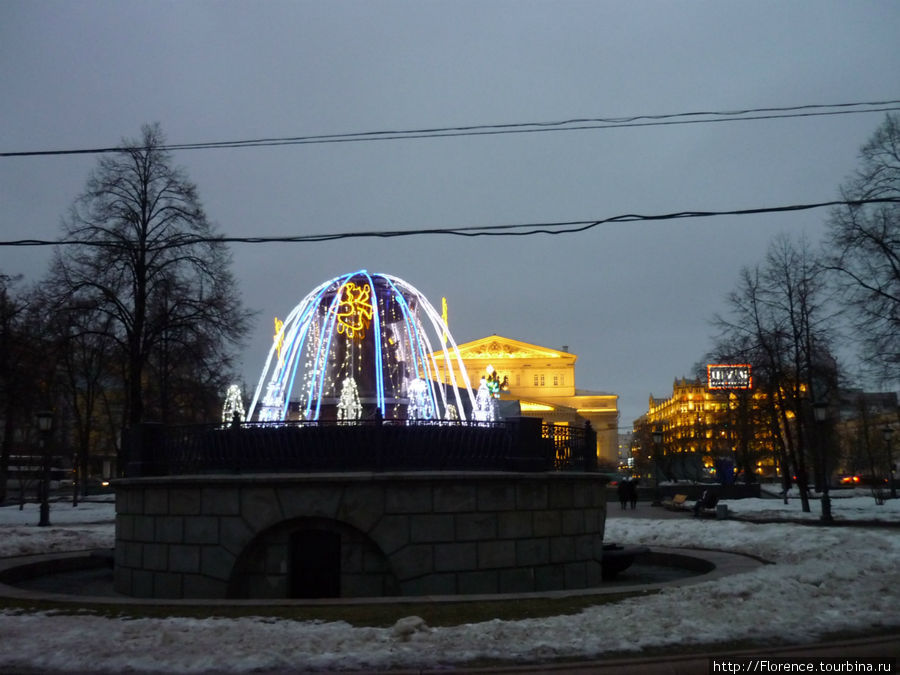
(358, 534)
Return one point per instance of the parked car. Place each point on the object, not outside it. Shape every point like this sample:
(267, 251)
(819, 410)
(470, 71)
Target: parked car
(97, 485)
(861, 480)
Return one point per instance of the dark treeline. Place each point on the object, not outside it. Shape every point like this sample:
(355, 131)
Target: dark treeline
(140, 323)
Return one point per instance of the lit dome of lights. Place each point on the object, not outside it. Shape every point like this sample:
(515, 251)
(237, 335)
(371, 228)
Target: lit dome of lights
(358, 344)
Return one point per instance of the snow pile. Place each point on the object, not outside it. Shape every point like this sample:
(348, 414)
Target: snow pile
(824, 580)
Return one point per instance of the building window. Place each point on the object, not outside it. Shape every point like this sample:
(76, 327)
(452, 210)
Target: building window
(542, 379)
(556, 380)
(535, 380)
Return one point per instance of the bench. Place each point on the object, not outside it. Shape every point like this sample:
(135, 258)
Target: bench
(706, 505)
(677, 503)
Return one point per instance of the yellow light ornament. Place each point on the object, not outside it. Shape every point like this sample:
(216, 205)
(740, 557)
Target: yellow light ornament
(354, 310)
(279, 339)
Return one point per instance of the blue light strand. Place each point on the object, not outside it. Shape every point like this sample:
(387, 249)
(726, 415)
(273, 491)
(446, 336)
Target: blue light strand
(413, 337)
(331, 320)
(305, 322)
(379, 369)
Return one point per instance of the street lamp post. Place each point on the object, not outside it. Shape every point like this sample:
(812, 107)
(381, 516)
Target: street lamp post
(888, 433)
(75, 478)
(45, 424)
(820, 410)
(657, 441)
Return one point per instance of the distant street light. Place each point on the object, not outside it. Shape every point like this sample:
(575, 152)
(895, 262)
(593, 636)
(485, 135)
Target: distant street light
(45, 425)
(888, 433)
(820, 411)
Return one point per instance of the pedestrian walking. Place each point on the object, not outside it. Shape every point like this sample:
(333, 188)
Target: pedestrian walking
(622, 492)
(633, 492)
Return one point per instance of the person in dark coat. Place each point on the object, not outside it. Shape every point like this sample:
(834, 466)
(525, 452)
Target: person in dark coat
(707, 500)
(622, 493)
(633, 493)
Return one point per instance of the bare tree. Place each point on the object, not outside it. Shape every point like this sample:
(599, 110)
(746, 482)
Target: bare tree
(864, 245)
(779, 321)
(20, 375)
(147, 265)
(11, 311)
(87, 376)
(751, 333)
(863, 440)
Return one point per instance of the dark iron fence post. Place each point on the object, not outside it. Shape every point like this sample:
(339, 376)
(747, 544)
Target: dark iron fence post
(590, 447)
(235, 446)
(529, 451)
(142, 447)
(379, 440)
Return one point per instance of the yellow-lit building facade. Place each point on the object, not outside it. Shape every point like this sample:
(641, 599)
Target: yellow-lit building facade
(542, 380)
(691, 420)
(713, 424)
(708, 423)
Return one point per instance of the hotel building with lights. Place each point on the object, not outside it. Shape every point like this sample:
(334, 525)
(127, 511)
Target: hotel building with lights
(711, 424)
(698, 425)
(692, 420)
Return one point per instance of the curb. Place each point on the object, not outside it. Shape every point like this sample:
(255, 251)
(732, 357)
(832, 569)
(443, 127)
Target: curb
(708, 563)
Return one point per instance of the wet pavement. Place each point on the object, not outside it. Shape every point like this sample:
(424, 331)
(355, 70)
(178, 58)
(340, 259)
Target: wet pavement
(645, 509)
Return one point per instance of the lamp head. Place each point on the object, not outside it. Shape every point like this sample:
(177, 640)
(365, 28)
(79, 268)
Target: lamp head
(820, 410)
(44, 420)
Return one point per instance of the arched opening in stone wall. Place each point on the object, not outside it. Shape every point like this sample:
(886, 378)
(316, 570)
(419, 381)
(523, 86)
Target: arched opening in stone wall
(314, 564)
(312, 558)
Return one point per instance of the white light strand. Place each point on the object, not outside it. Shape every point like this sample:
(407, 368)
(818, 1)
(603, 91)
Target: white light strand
(349, 406)
(234, 405)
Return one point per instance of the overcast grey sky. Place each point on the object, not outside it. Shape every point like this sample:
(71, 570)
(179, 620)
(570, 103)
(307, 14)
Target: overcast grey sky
(633, 301)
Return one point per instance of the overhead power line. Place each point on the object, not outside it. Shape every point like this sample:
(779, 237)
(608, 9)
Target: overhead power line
(507, 230)
(574, 124)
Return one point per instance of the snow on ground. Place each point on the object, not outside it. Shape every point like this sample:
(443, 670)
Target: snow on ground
(87, 526)
(847, 504)
(824, 580)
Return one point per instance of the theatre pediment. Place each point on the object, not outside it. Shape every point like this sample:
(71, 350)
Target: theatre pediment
(498, 347)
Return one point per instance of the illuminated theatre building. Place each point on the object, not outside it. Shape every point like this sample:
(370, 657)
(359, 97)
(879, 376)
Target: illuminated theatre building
(541, 381)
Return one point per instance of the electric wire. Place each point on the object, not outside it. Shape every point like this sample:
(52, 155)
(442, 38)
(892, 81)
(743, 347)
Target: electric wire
(573, 124)
(507, 230)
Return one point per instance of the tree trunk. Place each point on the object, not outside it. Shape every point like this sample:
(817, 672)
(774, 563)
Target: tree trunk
(5, 451)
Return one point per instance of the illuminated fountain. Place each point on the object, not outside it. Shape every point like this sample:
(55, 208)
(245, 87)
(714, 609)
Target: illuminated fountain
(363, 432)
(358, 345)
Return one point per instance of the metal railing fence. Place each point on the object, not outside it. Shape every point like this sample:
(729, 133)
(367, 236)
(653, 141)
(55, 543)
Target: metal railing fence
(517, 444)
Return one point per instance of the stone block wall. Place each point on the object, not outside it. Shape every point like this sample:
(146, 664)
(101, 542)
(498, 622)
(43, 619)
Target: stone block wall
(415, 533)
